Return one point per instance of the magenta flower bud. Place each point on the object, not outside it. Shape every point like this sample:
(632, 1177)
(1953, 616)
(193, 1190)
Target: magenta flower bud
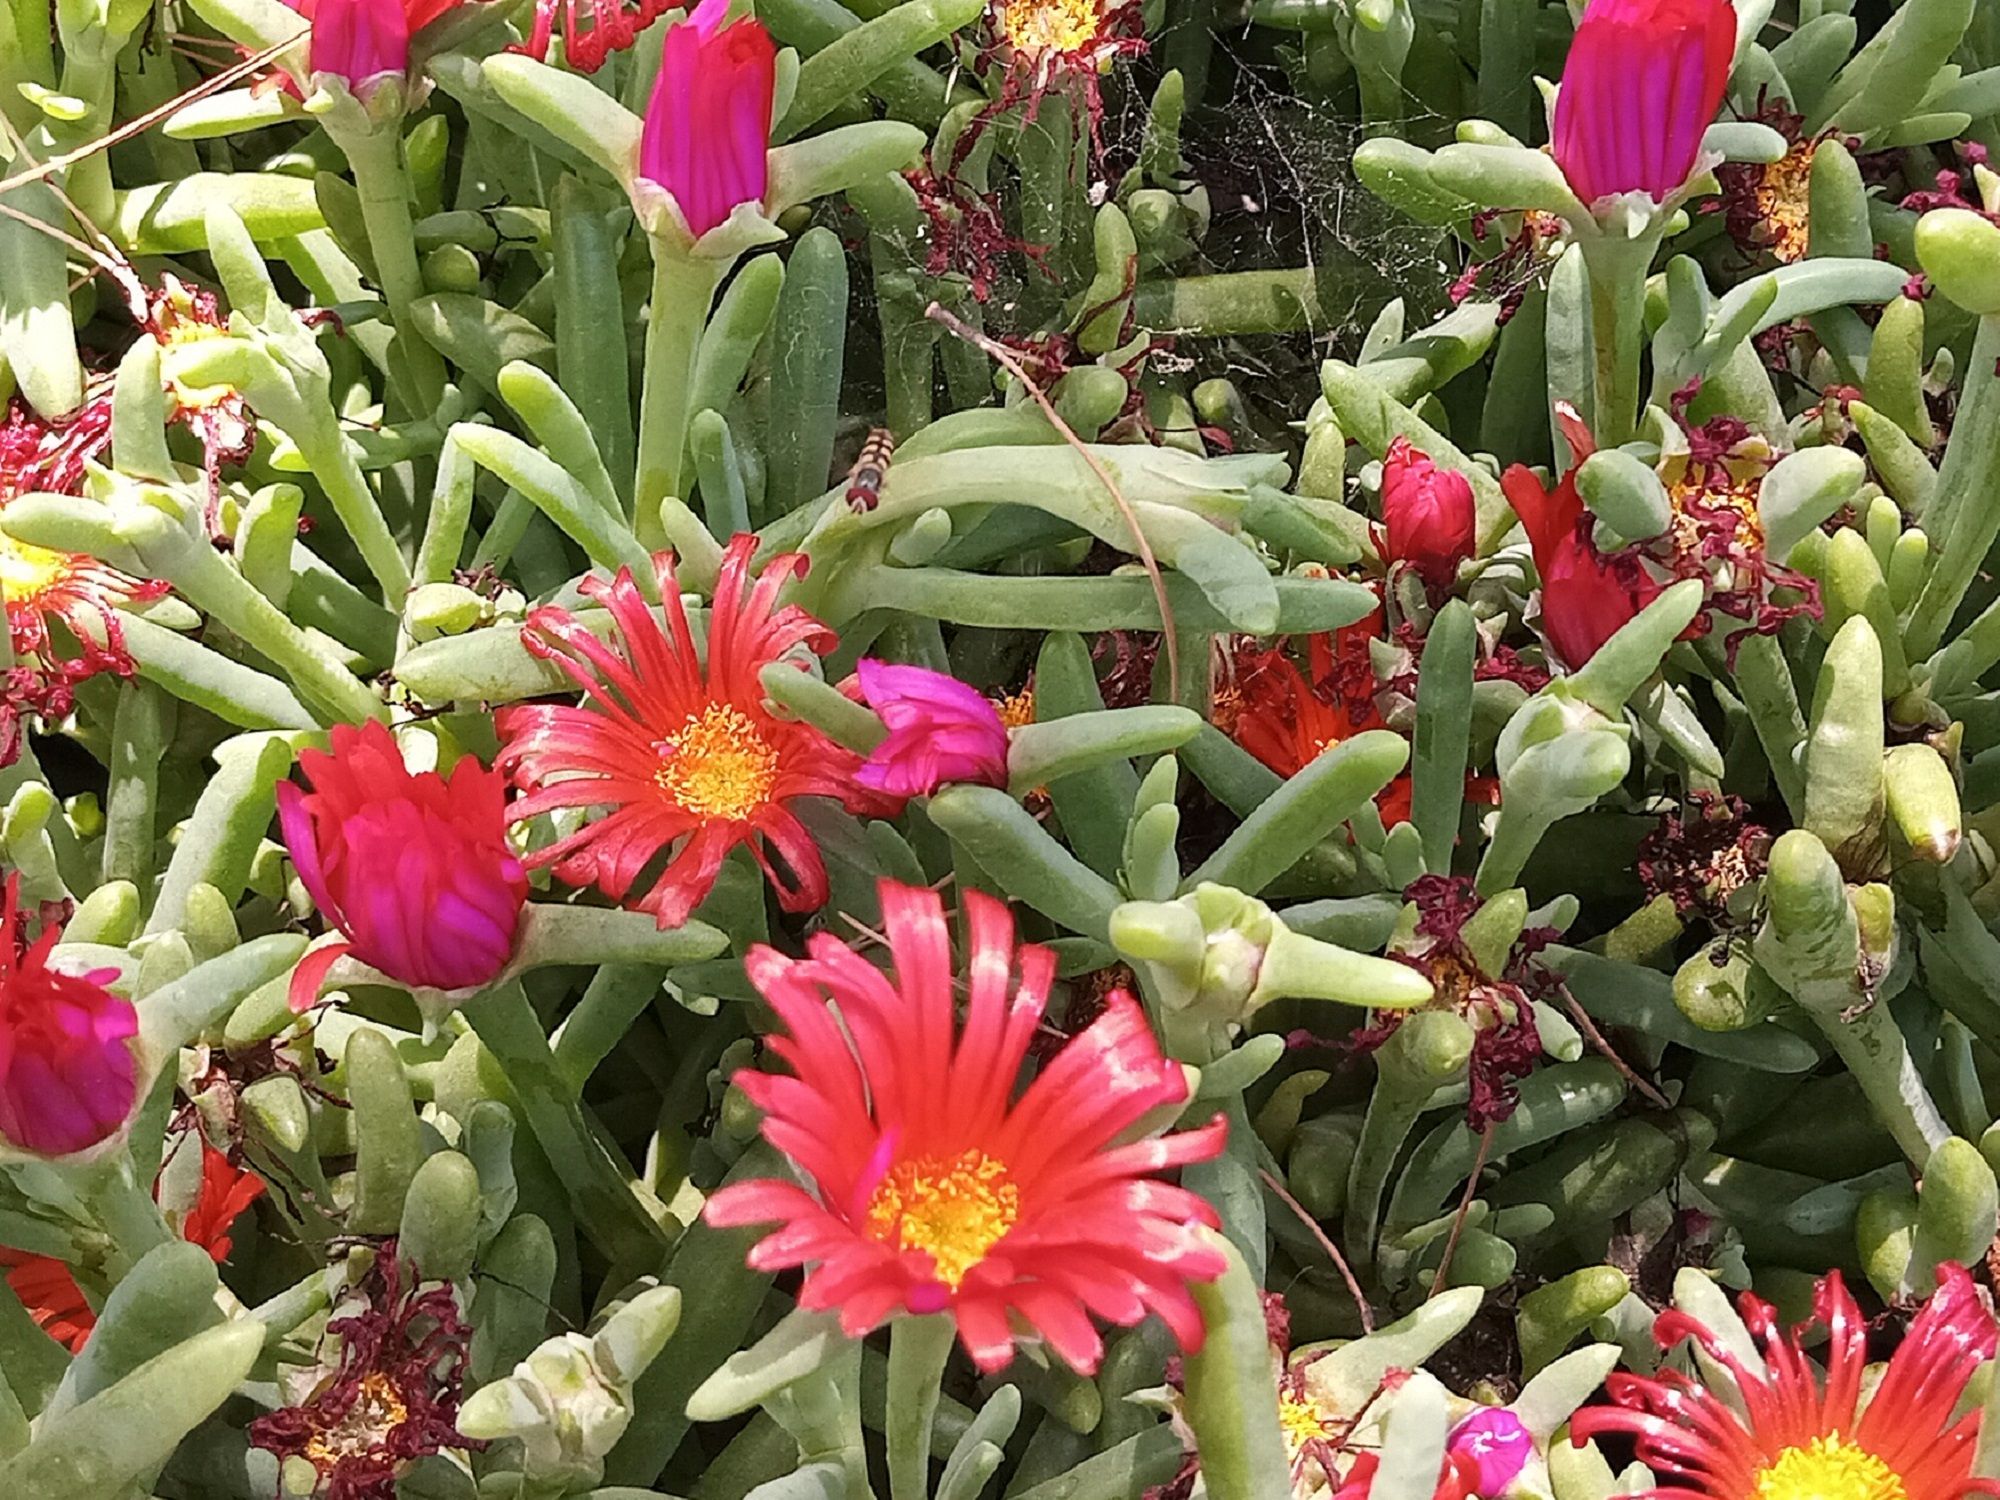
(1497, 1443)
(1643, 81)
(415, 870)
(709, 122)
(68, 1077)
(357, 40)
(940, 731)
(1427, 515)
(360, 40)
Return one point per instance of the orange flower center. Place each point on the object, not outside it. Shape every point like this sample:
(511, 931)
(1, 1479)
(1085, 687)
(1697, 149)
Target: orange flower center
(1017, 710)
(955, 1210)
(1039, 27)
(377, 1411)
(718, 765)
(26, 570)
(1784, 200)
(1829, 1468)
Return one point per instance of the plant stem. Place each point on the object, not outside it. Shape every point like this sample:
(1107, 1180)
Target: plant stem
(918, 1349)
(508, 1027)
(1617, 272)
(376, 155)
(683, 287)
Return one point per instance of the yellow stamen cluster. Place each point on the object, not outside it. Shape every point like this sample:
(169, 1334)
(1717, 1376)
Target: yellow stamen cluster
(955, 1209)
(1784, 200)
(1830, 1468)
(1302, 1420)
(377, 1411)
(26, 571)
(1042, 27)
(718, 765)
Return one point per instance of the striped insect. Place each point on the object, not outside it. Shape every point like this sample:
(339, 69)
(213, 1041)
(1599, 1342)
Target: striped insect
(864, 480)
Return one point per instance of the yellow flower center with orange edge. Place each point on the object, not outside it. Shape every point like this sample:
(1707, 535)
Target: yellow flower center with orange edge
(27, 571)
(1830, 1468)
(718, 765)
(377, 1411)
(1039, 27)
(955, 1209)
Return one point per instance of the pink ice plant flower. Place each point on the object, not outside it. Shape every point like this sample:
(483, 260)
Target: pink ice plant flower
(709, 122)
(68, 1076)
(940, 731)
(1642, 84)
(929, 1181)
(414, 869)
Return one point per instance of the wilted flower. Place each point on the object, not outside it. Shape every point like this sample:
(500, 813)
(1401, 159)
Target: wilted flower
(1496, 1000)
(613, 26)
(1717, 532)
(1768, 205)
(940, 731)
(393, 1396)
(709, 123)
(1427, 516)
(1519, 262)
(49, 1292)
(685, 753)
(1587, 595)
(1780, 1432)
(1701, 859)
(68, 1076)
(934, 1188)
(415, 870)
(1642, 83)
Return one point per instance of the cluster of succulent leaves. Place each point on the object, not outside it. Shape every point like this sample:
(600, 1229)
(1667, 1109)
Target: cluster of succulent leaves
(1744, 1081)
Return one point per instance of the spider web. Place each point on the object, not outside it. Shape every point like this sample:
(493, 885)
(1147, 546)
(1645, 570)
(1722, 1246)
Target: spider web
(1276, 162)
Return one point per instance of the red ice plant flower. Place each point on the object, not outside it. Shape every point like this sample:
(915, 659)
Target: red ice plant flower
(1288, 718)
(1642, 83)
(932, 1186)
(709, 123)
(57, 1304)
(940, 731)
(414, 870)
(1427, 516)
(684, 752)
(68, 1077)
(1587, 595)
(1782, 1432)
(360, 40)
(393, 1396)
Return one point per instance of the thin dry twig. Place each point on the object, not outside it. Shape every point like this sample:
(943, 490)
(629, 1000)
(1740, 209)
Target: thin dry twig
(995, 350)
(1589, 1028)
(1464, 1209)
(139, 124)
(1332, 1251)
